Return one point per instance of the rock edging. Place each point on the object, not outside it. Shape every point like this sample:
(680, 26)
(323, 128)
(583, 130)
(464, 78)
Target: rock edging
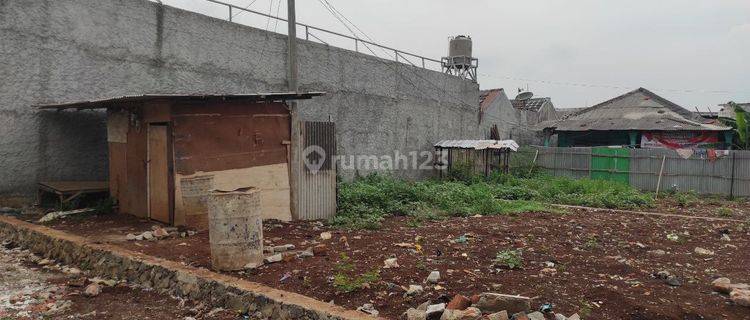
(170, 277)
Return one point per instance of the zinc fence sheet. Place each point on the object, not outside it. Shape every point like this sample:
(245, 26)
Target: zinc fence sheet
(696, 173)
(567, 162)
(317, 183)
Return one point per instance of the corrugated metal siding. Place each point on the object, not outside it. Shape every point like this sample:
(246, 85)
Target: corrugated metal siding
(695, 173)
(317, 189)
(568, 162)
(700, 175)
(742, 173)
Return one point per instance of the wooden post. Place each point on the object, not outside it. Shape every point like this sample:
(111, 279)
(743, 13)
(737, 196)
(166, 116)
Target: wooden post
(292, 78)
(533, 163)
(661, 172)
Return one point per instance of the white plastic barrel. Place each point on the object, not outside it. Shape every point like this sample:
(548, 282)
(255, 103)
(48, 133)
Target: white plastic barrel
(235, 227)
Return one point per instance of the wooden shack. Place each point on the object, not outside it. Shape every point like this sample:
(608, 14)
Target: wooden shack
(166, 152)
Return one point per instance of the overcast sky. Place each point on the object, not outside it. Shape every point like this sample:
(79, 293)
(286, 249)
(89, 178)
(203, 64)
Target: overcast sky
(693, 52)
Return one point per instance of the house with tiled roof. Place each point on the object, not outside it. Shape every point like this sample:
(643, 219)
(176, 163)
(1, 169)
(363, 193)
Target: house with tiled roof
(515, 123)
(536, 109)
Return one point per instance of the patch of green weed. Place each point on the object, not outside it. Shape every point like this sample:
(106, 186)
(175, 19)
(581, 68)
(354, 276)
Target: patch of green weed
(724, 212)
(346, 282)
(510, 259)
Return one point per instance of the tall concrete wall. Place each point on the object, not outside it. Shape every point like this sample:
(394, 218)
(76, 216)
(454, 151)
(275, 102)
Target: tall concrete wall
(72, 50)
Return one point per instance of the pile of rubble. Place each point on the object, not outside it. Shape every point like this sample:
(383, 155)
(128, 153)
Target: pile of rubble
(289, 252)
(29, 294)
(158, 233)
(739, 293)
(492, 306)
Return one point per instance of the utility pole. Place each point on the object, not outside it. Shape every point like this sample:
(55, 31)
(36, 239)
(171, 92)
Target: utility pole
(292, 84)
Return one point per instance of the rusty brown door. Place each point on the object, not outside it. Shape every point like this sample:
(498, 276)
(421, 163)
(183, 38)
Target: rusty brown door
(158, 173)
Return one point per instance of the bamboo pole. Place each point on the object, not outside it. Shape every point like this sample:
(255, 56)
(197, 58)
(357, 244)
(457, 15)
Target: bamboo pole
(661, 172)
(533, 163)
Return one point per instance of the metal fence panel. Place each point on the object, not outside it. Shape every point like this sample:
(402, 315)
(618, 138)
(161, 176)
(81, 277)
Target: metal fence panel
(317, 183)
(741, 174)
(568, 162)
(696, 173)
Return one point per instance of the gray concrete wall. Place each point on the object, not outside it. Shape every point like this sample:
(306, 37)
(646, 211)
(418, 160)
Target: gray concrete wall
(72, 50)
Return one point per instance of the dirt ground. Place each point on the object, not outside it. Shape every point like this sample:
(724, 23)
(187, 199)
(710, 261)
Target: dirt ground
(602, 265)
(705, 206)
(31, 291)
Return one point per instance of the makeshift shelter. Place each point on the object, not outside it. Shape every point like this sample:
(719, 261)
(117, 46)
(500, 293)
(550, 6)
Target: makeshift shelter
(483, 156)
(166, 152)
(638, 119)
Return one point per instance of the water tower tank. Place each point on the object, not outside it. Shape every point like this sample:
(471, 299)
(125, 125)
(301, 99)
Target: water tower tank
(460, 46)
(459, 61)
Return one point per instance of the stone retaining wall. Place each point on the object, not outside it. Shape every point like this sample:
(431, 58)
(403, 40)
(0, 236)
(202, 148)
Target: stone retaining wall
(170, 277)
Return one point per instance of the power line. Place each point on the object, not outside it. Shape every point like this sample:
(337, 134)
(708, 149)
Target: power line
(276, 23)
(605, 86)
(270, 10)
(242, 11)
(331, 9)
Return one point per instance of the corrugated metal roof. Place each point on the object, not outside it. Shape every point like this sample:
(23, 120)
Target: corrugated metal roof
(477, 144)
(637, 110)
(105, 103)
(534, 104)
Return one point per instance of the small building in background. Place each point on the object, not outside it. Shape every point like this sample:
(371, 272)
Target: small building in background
(537, 110)
(514, 119)
(728, 112)
(639, 119)
(167, 152)
(482, 157)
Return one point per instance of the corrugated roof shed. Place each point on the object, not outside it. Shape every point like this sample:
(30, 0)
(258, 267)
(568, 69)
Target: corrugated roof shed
(477, 144)
(640, 110)
(107, 102)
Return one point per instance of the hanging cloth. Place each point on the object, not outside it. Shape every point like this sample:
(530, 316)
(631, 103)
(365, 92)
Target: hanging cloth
(685, 153)
(712, 155)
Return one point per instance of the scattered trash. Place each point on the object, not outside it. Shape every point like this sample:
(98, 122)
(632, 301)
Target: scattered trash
(274, 258)
(434, 277)
(160, 233)
(390, 263)
(703, 252)
(414, 290)
(326, 235)
(92, 290)
(546, 308)
(61, 214)
(461, 239)
(369, 309)
(285, 277)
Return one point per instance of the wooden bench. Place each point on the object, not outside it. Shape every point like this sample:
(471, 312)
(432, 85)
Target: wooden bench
(67, 191)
